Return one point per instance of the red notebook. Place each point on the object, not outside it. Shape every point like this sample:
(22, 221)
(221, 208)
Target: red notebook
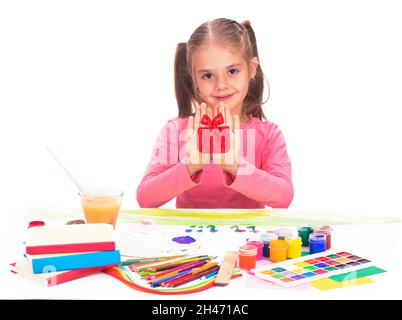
(24, 269)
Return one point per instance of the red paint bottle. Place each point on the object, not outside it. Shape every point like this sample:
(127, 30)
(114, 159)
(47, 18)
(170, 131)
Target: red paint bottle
(247, 257)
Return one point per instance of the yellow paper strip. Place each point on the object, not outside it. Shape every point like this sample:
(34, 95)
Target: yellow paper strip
(203, 213)
(329, 284)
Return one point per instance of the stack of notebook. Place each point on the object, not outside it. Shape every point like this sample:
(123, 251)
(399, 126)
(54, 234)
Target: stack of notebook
(56, 254)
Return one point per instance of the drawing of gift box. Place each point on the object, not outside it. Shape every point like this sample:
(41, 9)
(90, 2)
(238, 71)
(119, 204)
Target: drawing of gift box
(213, 138)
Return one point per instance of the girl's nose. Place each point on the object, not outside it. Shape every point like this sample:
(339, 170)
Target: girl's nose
(221, 83)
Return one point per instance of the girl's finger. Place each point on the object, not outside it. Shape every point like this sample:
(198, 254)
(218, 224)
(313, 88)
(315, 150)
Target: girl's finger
(210, 113)
(228, 117)
(236, 130)
(197, 116)
(221, 109)
(190, 127)
(216, 109)
(236, 121)
(203, 110)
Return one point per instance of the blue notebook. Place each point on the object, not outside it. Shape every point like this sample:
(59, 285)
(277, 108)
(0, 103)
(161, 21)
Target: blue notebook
(58, 262)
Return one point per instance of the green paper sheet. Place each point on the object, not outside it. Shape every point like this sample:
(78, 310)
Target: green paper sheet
(369, 271)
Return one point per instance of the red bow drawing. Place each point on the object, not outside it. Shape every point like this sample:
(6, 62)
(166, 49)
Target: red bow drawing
(213, 131)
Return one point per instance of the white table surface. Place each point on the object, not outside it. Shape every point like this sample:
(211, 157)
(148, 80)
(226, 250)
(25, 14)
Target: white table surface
(380, 243)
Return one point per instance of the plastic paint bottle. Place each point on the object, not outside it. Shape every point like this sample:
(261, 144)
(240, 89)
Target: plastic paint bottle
(266, 238)
(265, 248)
(247, 257)
(304, 232)
(255, 241)
(327, 230)
(294, 247)
(317, 242)
(278, 250)
(283, 233)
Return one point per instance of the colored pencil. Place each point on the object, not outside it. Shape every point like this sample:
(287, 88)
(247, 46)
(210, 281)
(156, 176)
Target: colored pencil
(140, 261)
(204, 267)
(141, 264)
(162, 274)
(130, 262)
(151, 259)
(157, 283)
(169, 264)
(184, 277)
(180, 268)
(144, 265)
(176, 270)
(166, 267)
(193, 277)
(151, 274)
(163, 263)
(210, 275)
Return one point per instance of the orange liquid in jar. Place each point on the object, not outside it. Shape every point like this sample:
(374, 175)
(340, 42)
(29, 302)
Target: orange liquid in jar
(101, 209)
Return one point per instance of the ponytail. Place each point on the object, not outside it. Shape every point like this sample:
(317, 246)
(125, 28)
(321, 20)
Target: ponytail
(183, 82)
(253, 101)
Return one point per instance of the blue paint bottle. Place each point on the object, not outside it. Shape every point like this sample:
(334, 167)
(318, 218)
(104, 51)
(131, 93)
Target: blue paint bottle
(265, 248)
(266, 238)
(318, 242)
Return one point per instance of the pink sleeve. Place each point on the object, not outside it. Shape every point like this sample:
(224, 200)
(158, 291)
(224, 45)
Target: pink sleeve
(272, 184)
(165, 177)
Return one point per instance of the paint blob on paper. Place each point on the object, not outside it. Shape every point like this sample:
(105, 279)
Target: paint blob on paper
(184, 240)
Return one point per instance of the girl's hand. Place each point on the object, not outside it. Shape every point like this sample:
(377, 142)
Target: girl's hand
(229, 161)
(195, 160)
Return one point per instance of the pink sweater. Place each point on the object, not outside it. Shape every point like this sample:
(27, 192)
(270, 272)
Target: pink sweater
(263, 178)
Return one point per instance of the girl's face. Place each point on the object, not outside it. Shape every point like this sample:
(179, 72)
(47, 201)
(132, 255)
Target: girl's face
(222, 74)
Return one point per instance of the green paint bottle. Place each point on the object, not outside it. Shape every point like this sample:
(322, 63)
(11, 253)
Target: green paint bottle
(304, 233)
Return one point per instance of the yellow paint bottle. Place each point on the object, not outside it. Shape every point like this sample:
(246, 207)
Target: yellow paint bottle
(278, 250)
(294, 247)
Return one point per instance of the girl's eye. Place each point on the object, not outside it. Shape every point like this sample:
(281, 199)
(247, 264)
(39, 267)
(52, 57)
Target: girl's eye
(233, 71)
(207, 76)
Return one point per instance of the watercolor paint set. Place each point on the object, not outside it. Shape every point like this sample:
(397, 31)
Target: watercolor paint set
(309, 268)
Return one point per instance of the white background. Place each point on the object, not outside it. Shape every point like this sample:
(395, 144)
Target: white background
(93, 80)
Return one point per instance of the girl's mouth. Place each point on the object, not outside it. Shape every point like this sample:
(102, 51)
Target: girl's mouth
(224, 98)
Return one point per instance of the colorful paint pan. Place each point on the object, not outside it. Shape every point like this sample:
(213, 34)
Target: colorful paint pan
(301, 270)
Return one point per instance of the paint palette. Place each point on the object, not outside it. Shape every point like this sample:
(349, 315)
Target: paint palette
(312, 267)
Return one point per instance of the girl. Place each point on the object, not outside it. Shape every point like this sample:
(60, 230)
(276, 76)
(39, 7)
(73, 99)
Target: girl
(219, 153)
